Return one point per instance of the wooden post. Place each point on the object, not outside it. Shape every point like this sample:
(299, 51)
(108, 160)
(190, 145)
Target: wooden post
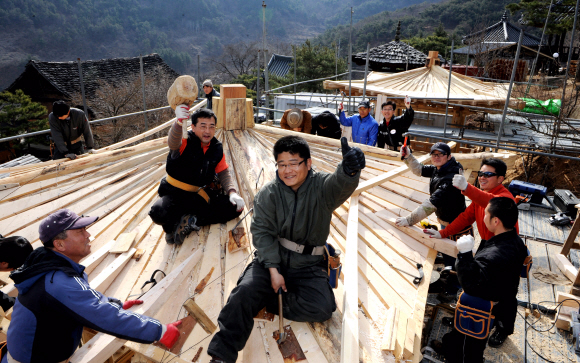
(228, 91)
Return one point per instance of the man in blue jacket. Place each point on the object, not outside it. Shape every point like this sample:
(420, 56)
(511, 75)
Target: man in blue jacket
(55, 300)
(364, 127)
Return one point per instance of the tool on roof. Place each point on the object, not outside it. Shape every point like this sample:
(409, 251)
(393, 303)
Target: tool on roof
(426, 224)
(282, 334)
(404, 145)
(417, 279)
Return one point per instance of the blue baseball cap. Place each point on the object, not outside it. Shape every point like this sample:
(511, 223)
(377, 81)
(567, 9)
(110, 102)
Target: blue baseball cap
(60, 221)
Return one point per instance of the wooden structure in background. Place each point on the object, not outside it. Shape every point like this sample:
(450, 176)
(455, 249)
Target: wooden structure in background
(119, 184)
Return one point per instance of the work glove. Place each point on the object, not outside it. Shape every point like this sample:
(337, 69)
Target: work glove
(340, 107)
(432, 233)
(402, 222)
(459, 181)
(71, 156)
(129, 303)
(236, 200)
(182, 112)
(170, 334)
(405, 152)
(91, 151)
(465, 244)
(353, 159)
(407, 101)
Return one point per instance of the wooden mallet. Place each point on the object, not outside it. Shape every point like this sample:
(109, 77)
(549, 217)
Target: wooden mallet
(183, 91)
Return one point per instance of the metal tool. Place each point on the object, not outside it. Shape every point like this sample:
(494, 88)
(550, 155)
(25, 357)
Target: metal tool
(282, 336)
(417, 279)
(404, 146)
(241, 219)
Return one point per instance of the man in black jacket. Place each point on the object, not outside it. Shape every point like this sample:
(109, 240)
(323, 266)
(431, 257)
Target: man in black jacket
(210, 92)
(493, 274)
(67, 125)
(326, 124)
(13, 252)
(391, 129)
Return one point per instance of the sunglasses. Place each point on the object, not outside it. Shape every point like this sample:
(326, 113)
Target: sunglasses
(486, 174)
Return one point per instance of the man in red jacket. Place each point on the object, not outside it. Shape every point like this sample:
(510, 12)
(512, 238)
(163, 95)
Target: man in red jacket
(491, 176)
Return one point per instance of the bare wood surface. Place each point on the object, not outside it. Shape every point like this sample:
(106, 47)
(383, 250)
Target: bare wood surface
(349, 339)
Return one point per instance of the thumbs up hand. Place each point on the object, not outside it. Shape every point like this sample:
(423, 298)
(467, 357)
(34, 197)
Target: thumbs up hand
(459, 181)
(353, 159)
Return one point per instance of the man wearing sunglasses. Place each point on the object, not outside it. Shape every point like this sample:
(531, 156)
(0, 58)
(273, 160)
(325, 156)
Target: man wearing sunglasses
(290, 225)
(491, 176)
(55, 300)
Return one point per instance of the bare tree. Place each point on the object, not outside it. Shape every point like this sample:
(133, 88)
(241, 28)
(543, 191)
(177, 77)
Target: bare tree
(237, 59)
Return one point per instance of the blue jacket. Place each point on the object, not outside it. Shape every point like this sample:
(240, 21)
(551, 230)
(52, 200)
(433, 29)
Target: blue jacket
(55, 302)
(363, 131)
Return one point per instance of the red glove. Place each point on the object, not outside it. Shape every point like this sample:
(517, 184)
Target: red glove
(341, 107)
(129, 303)
(171, 335)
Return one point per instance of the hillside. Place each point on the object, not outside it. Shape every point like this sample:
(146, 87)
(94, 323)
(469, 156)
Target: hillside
(179, 30)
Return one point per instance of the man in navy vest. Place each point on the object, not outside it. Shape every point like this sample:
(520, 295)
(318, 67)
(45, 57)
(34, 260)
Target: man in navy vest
(190, 196)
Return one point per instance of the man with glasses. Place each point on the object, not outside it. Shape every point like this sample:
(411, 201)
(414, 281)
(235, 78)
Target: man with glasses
(210, 92)
(55, 300)
(491, 176)
(364, 127)
(392, 128)
(198, 189)
(290, 225)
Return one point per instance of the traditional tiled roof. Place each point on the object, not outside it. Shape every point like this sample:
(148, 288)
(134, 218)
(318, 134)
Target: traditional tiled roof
(280, 65)
(395, 53)
(64, 76)
(501, 32)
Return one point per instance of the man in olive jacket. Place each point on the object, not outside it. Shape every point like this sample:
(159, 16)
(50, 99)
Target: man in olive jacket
(290, 226)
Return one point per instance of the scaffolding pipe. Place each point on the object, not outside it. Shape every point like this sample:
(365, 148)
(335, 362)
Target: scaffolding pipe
(83, 88)
(294, 76)
(491, 146)
(143, 91)
(258, 98)
(366, 71)
(538, 53)
(312, 80)
(448, 88)
(350, 61)
(507, 101)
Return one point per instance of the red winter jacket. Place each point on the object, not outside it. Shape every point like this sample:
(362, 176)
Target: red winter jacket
(476, 211)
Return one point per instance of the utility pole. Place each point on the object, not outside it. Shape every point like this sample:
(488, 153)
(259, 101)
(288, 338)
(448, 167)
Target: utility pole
(266, 86)
(295, 53)
(199, 87)
(350, 61)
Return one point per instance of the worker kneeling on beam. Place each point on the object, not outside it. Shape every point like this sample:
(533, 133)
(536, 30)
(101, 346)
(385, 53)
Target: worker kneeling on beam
(55, 300)
(290, 225)
(489, 280)
(191, 195)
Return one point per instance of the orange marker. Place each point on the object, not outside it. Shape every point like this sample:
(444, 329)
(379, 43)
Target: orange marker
(404, 145)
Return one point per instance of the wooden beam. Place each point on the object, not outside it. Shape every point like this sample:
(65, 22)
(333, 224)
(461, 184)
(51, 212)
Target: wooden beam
(102, 346)
(349, 340)
(154, 353)
(94, 259)
(235, 114)
(390, 330)
(571, 237)
(123, 242)
(566, 267)
(102, 281)
(194, 310)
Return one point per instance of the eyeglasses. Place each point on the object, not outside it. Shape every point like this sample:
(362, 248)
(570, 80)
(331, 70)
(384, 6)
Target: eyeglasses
(485, 174)
(387, 109)
(206, 127)
(291, 166)
(438, 155)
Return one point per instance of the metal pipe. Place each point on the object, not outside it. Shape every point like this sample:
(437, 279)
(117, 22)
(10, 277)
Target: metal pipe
(266, 83)
(83, 88)
(350, 61)
(507, 101)
(495, 110)
(199, 84)
(366, 70)
(448, 88)
(491, 146)
(295, 75)
(538, 53)
(42, 132)
(143, 91)
(312, 80)
(258, 98)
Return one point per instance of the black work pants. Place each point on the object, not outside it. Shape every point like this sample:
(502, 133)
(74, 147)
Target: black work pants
(505, 314)
(460, 348)
(174, 203)
(309, 299)
(76, 149)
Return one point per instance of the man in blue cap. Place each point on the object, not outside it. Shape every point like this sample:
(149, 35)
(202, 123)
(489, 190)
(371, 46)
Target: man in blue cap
(55, 300)
(364, 127)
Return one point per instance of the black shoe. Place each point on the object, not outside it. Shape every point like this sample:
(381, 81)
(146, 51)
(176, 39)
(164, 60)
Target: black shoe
(437, 346)
(169, 238)
(497, 338)
(184, 228)
(215, 359)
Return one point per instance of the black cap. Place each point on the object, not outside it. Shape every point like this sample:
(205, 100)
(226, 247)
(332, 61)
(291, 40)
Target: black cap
(364, 104)
(441, 147)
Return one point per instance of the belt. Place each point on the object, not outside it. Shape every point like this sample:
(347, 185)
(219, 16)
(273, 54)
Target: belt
(78, 139)
(301, 249)
(188, 187)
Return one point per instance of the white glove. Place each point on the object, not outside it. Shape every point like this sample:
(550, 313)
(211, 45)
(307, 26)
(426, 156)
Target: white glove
(236, 200)
(402, 222)
(432, 233)
(465, 243)
(459, 181)
(91, 151)
(182, 112)
(405, 152)
(71, 156)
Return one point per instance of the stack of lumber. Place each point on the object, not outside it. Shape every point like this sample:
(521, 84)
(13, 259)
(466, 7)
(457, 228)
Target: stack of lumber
(380, 310)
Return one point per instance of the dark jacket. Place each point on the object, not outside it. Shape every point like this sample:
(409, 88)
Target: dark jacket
(443, 195)
(302, 217)
(55, 302)
(210, 96)
(330, 123)
(193, 166)
(494, 272)
(392, 134)
(6, 302)
(65, 132)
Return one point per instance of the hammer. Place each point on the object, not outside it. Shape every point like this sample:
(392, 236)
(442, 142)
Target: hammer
(417, 279)
(282, 336)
